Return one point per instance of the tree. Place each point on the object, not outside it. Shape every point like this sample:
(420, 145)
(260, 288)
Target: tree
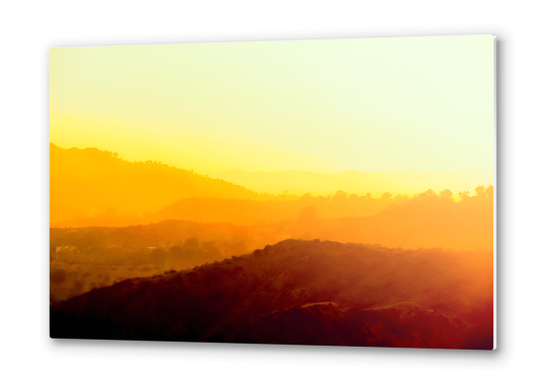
(386, 196)
(446, 194)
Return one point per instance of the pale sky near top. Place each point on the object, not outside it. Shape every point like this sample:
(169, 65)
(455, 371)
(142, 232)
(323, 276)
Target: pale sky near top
(388, 104)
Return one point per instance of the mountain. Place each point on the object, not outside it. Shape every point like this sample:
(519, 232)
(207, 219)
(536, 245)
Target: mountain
(300, 292)
(250, 212)
(83, 258)
(377, 183)
(88, 182)
(424, 220)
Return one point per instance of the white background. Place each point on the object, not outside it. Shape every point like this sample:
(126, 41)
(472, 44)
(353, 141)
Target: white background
(29, 29)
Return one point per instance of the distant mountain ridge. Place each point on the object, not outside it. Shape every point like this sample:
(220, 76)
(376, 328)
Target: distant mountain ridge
(301, 182)
(426, 220)
(88, 182)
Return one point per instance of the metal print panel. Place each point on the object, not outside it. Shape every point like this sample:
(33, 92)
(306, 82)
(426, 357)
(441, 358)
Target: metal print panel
(320, 192)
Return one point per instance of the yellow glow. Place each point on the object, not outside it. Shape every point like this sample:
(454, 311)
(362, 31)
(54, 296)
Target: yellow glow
(401, 104)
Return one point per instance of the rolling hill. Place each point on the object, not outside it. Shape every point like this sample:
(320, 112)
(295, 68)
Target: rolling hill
(300, 292)
(88, 182)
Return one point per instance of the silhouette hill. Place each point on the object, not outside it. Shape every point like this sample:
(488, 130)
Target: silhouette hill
(89, 182)
(249, 212)
(300, 292)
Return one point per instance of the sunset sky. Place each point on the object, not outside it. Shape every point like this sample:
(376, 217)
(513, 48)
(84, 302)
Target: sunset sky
(388, 104)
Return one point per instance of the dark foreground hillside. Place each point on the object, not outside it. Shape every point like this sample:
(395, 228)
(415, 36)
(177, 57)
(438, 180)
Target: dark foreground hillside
(300, 292)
